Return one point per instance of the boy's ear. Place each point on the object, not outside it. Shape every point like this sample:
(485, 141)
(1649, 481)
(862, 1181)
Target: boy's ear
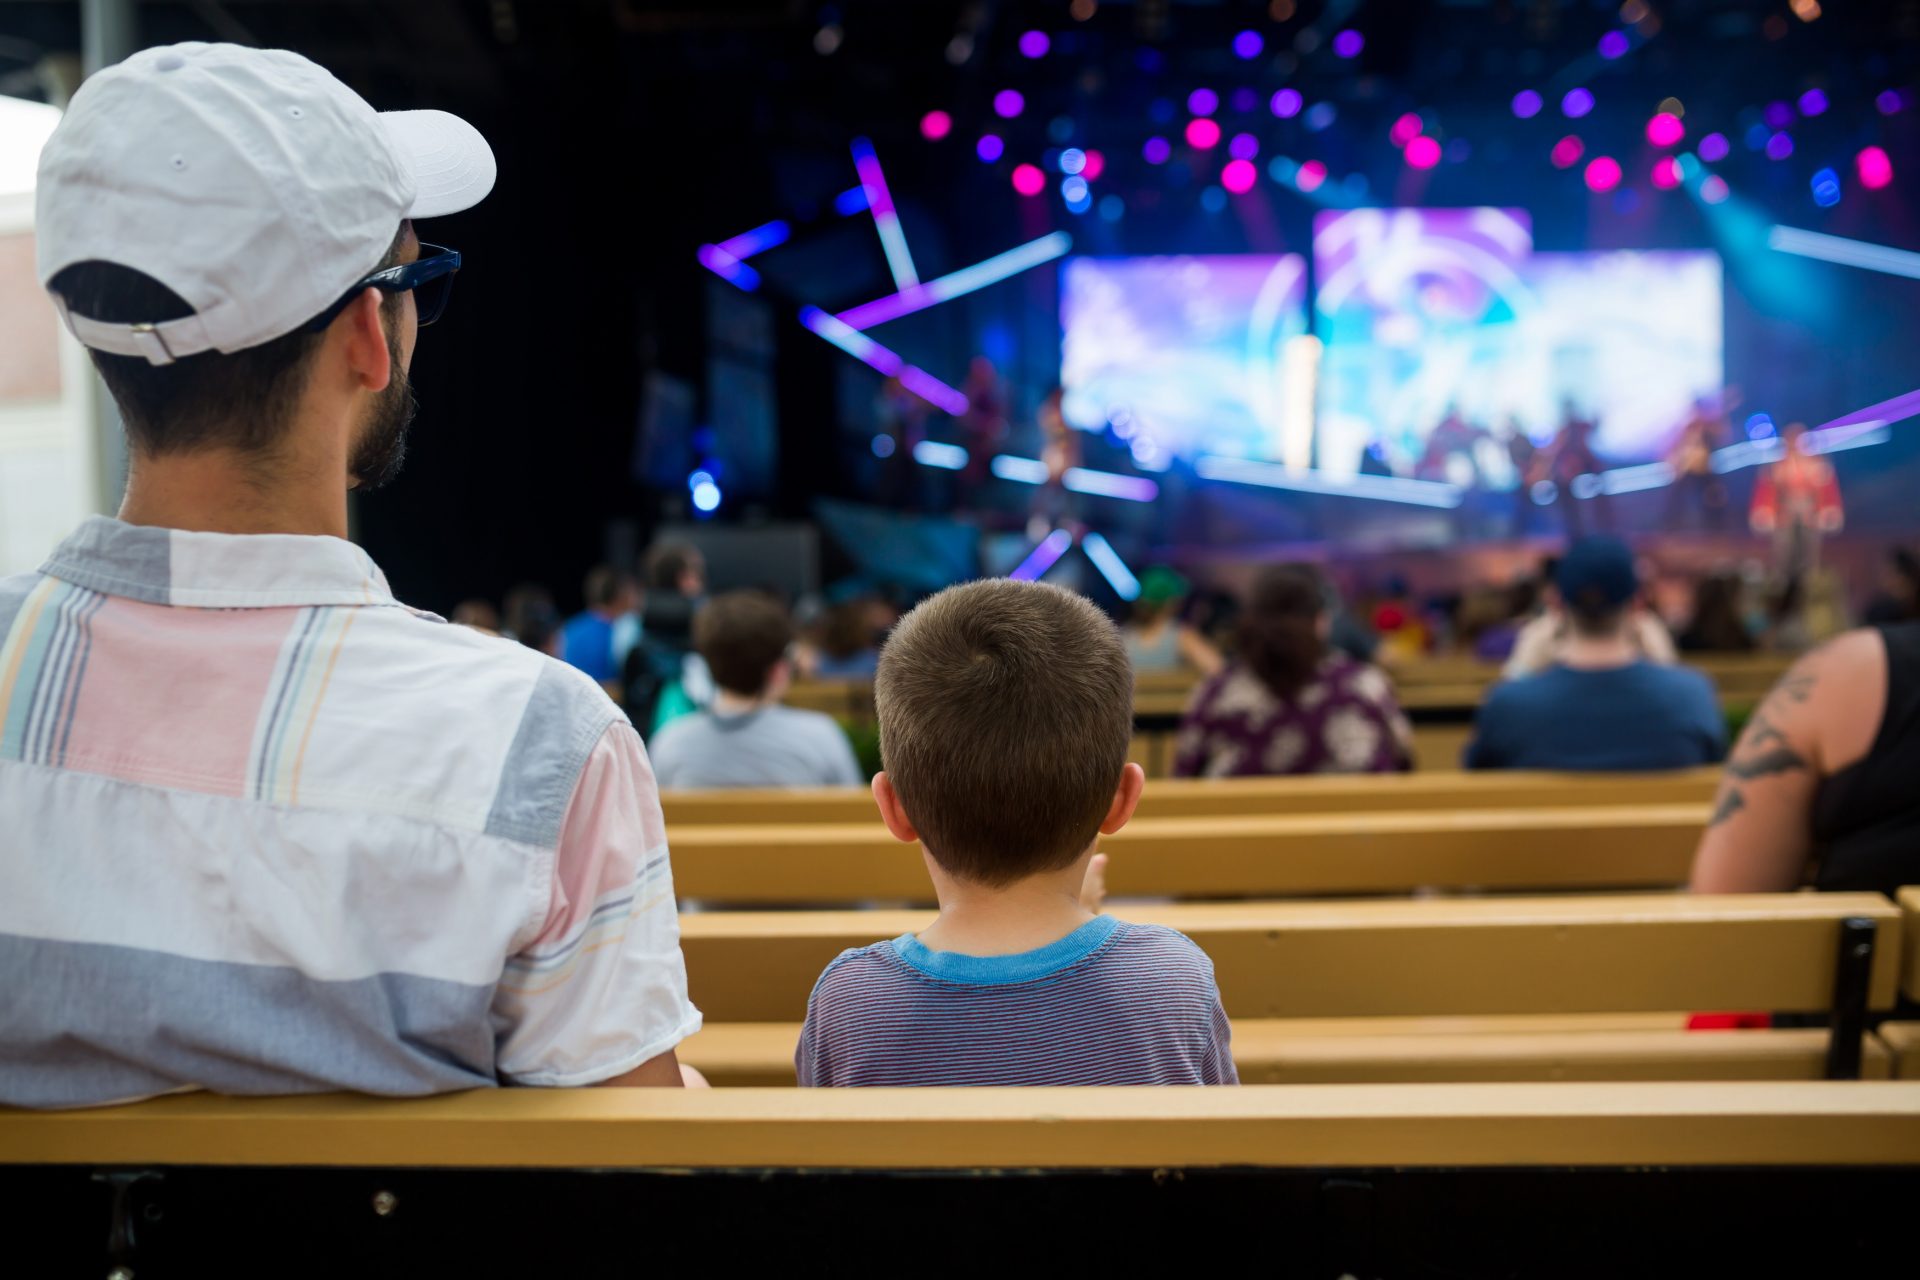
(890, 811)
(1126, 798)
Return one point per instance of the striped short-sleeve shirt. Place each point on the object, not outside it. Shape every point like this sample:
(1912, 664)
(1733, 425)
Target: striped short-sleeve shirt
(1112, 1003)
(267, 830)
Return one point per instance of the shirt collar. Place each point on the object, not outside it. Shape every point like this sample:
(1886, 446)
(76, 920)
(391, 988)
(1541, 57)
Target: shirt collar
(217, 570)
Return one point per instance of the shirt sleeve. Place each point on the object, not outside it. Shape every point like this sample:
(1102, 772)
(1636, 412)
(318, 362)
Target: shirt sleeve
(1219, 1068)
(1190, 742)
(1482, 750)
(1713, 722)
(602, 987)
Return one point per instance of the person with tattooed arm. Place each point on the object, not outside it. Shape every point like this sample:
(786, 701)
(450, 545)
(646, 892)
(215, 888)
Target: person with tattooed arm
(1820, 784)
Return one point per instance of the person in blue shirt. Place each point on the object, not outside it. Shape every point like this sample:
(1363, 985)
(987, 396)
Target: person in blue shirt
(1602, 705)
(597, 639)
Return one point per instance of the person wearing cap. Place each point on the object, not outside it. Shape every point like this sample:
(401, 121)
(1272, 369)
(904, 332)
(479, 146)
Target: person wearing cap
(1156, 637)
(1543, 639)
(269, 830)
(1602, 705)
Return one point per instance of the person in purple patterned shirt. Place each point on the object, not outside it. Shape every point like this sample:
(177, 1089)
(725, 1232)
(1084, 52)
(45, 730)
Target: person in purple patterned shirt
(1288, 703)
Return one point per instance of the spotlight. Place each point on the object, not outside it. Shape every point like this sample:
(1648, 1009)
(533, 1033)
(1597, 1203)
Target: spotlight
(1349, 43)
(1028, 180)
(1008, 103)
(1213, 199)
(1311, 175)
(1203, 102)
(1244, 146)
(1034, 44)
(706, 495)
(1666, 173)
(990, 147)
(1603, 173)
(1566, 152)
(1889, 101)
(1813, 102)
(1238, 176)
(1874, 168)
(1714, 147)
(1526, 104)
(1613, 45)
(1405, 129)
(1156, 150)
(1096, 165)
(825, 41)
(935, 125)
(1072, 160)
(1779, 146)
(1202, 133)
(1576, 103)
(1287, 102)
(1321, 115)
(1423, 152)
(1826, 188)
(1665, 130)
(1714, 190)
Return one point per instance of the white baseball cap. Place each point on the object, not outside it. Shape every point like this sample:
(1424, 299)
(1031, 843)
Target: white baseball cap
(248, 181)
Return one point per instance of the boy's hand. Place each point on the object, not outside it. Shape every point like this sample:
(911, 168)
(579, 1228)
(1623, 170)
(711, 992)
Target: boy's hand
(1093, 890)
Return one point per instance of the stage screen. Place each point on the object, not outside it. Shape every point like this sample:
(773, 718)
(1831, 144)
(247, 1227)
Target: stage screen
(1189, 355)
(1447, 316)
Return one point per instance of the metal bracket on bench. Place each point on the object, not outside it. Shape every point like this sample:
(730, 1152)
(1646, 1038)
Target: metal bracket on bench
(121, 1240)
(1852, 974)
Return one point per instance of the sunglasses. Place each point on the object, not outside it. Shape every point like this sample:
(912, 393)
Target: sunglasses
(429, 279)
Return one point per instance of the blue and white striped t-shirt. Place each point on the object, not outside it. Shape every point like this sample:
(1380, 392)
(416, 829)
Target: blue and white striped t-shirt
(1111, 1003)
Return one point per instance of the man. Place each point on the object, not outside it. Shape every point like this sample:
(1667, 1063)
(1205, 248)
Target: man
(745, 738)
(599, 637)
(1544, 639)
(1797, 501)
(267, 829)
(1602, 705)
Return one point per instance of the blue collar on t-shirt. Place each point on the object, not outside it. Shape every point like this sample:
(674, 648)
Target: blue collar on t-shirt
(955, 966)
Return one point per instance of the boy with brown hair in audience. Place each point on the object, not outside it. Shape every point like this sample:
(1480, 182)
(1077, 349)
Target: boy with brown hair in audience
(1005, 713)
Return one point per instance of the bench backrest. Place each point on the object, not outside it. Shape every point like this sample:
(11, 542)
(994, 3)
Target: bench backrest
(1602, 954)
(1286, 1126)
(1230, 797)
(1233, 857)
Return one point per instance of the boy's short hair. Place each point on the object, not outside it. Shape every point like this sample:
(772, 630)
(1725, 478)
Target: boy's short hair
(742, 634)
(1006, 709)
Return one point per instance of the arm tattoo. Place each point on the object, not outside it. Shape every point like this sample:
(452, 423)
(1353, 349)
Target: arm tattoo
(1763, 750)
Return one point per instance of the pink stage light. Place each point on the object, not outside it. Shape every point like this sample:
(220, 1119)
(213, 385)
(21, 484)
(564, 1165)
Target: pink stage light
(1244, 146)
(1405, 129)
(1566, 152)
(1238, 176)
(1095, 166)
(1423, 152)
(1286, 103)
(1874, 168)
(935, 125)
(1603, 173)
(1008, 103)
(1202, 133)
(1028, 180)
(1666, 173)
(1312, 174)
(1665, 129)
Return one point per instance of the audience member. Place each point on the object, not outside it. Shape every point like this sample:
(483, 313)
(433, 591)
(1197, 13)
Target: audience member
(663, 678)
(278, 833)
(846, 647)
(1821, 784)
(1897, 597)
(478, 614)
(1289, 703)
(1005, 713)
(599, 637)
(1545, 640)
(1718, 624)
(532, 619)
(744, 737)
(1602, 705)
(1157, 638)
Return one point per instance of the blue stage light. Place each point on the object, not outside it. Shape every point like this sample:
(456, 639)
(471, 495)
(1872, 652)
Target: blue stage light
(1111, 566)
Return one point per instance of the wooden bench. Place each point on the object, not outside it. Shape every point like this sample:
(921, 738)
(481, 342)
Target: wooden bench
(1902, 1039)
(1621, 846)
(1226, 797)
(1397, 1180)
(1279, 962)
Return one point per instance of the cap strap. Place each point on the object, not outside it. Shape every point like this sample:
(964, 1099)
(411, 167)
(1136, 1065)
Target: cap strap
(161, 343)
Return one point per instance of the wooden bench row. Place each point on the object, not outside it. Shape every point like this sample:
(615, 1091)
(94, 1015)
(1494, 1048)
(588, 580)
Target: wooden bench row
(1615, 847)
(1227, 797)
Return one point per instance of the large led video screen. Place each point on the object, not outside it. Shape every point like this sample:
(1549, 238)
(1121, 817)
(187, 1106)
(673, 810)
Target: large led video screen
(1190, 354)
(1448, 316)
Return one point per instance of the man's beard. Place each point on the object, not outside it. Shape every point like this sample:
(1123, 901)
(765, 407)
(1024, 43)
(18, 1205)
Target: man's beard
(382, 446)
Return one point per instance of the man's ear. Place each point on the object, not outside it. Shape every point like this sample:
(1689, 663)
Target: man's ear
(1126, 798)
(890, 811)
(362, 328)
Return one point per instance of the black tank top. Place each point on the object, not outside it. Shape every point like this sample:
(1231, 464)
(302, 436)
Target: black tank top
(1866, 818)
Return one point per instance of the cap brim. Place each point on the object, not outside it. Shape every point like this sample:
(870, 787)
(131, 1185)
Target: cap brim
(451, 164)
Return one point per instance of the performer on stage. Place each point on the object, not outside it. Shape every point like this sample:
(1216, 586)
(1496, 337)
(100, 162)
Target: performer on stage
(1797, 500)
(1568, 456)
(1453, 437)
(1694, 480)
(1060, 451)
(983, 428)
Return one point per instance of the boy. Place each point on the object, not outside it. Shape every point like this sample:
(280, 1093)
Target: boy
(1005, 712)
(745, 738)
